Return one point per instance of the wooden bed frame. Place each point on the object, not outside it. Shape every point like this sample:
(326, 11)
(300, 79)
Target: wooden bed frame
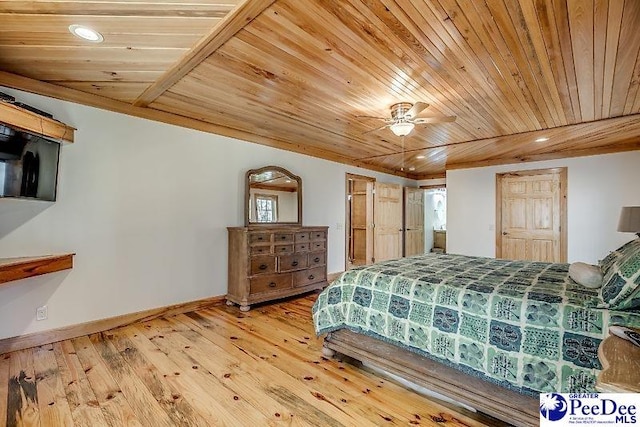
(486, 397)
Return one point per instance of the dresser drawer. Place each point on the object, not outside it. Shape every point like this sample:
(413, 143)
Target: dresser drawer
(283, 249)
(260, 249)
(318, 235)
(302, 237)
(292, 262)
(317, 258)
(263, 264)
(259, 237)
(272, 282)
(317, 245)
(307, 277)
(302, 247)
(283, 238)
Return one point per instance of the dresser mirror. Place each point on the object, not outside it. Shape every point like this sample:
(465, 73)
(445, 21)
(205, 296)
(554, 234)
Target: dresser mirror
(273, 196)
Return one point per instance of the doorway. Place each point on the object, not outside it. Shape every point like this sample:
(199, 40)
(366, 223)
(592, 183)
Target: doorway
(435, 219)
(374, 221)
(359, 220)
(531, 215)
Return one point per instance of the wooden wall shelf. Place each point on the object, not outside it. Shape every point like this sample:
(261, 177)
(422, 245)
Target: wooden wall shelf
(19, 268)
(29, 121)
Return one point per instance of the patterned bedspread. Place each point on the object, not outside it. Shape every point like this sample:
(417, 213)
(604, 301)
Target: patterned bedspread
(524, 325)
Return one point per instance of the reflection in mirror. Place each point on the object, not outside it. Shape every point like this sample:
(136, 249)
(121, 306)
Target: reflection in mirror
(273, 196)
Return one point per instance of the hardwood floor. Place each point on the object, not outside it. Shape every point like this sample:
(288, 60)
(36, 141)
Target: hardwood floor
(215, 366)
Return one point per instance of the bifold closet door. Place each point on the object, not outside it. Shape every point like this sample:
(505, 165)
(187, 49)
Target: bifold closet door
(387, 214)
(413, 221)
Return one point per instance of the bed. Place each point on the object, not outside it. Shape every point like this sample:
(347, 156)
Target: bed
(490, 333)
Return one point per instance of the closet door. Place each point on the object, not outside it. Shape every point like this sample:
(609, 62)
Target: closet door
(413, 221)
(387, 214)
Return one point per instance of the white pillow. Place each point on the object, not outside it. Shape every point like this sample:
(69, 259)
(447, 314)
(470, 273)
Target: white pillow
(589, 276)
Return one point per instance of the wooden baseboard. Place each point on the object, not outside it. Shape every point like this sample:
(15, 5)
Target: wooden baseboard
(54, 335)
(333, 276)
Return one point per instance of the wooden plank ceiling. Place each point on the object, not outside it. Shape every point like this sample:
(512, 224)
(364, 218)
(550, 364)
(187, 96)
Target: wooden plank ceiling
(299, 74)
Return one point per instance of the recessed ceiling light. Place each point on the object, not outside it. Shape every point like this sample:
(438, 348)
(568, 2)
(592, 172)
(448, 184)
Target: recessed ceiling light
(420, 157)
(86, 33)
(543, 139)
(412, 169)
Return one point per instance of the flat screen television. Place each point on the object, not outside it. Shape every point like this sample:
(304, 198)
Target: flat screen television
(28, 165)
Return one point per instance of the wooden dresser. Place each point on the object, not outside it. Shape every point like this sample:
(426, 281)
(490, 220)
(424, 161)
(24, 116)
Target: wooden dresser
(266, 263)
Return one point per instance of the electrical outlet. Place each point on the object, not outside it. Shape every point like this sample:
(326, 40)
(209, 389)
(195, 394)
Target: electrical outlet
(42, 313)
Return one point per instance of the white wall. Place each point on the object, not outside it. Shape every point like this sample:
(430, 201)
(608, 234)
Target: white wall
(598, 186)
(145, 207)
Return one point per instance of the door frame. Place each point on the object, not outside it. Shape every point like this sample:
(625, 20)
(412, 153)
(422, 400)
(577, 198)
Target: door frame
(347, 220)
(562, 172)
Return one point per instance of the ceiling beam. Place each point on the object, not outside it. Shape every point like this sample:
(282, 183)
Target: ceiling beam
(628, 144)
(26, 84)
(236, 20)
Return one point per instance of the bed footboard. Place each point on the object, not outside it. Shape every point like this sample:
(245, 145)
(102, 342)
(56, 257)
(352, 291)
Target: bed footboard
(486, 397)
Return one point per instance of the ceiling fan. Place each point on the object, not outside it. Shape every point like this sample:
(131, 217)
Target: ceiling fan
(404, 117)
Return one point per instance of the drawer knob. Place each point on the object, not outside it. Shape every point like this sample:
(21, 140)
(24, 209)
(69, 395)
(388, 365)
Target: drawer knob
(316, 259)
(260, 238)
(263, 266)
(311, 277)
(284, 237)
(294, 263)
(272, 284)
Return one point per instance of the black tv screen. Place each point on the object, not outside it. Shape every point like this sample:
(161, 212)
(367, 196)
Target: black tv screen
(28, 165)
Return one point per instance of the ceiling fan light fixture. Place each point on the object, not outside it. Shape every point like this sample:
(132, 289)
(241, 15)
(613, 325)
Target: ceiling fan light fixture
(86, 33)
(402, 128)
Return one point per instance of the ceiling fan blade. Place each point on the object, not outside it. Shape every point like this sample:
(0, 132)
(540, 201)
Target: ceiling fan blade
(386, 119)
(434, 119)
(373, 130)
(415, 109)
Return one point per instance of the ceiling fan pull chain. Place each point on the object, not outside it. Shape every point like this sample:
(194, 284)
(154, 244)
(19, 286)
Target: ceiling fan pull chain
(402, 167)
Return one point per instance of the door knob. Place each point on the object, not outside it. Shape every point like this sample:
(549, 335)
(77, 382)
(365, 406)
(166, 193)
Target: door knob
(504, 233)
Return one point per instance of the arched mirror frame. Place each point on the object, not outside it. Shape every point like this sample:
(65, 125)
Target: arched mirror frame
(247, 196)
